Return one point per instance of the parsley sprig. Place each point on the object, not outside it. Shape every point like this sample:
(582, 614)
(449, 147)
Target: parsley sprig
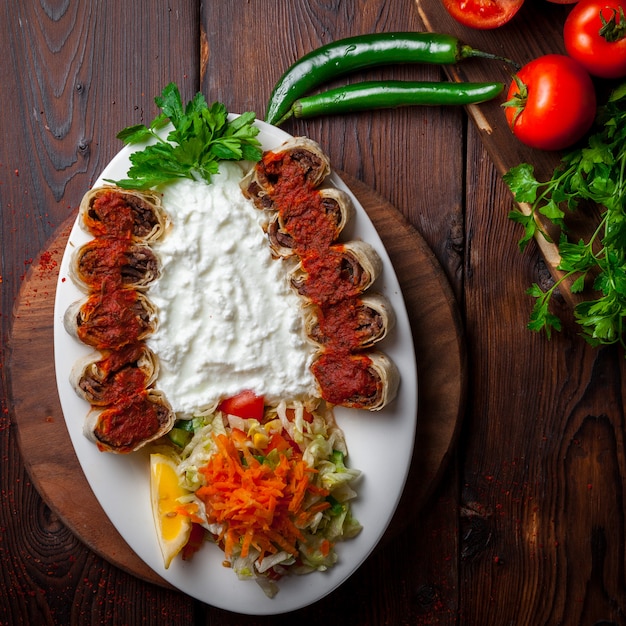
(595, 174)
(201, 137)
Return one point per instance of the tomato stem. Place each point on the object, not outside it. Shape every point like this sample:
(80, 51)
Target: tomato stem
(613, 30)
(518, 100)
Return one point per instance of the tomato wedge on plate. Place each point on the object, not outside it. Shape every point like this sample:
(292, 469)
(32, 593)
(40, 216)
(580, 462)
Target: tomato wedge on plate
(482, 14)
(245, 404)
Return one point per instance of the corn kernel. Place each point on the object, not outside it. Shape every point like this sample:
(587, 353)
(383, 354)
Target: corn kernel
(260, 440)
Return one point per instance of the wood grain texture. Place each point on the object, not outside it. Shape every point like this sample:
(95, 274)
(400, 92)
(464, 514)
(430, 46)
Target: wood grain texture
(527, 524)
(75, 73)
(542, 508)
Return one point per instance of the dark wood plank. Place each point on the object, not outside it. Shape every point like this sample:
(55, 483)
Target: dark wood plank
(537, 536)
(75, 73)
(543, 443)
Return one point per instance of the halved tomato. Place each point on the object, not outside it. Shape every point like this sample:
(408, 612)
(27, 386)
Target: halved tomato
(482, 14)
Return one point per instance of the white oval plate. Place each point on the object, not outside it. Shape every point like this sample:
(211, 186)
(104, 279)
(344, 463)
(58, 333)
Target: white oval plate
(380, 444)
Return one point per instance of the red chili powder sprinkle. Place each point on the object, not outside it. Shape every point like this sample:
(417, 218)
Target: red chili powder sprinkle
(46, 261)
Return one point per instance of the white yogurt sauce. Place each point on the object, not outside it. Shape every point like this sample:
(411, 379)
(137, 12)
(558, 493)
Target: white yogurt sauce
(228, 319)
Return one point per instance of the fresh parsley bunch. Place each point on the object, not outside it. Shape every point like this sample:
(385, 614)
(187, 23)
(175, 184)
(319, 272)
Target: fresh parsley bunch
(593, 174)
(202, 137)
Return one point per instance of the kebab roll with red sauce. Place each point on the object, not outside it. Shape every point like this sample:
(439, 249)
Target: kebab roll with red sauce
(282, 243)
(298, 163)
(338, 207)
(316, 223)
(110, 211)
(351, 324)
(131, 423)
(125, 263)
(110, 319)
(363, 380)
(341, 271)
(116, 375)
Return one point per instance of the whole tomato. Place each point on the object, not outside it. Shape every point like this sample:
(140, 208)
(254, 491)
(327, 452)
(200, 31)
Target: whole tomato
(482, 14)
(551, 102)
(595, 35)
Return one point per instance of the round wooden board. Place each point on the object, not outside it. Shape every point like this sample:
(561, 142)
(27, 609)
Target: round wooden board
(46, 447)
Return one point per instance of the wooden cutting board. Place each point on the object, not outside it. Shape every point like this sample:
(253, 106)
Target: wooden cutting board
(46, 447)
(536, 29)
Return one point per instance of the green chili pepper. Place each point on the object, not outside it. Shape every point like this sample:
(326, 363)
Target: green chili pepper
(353, 53)
(390, 94)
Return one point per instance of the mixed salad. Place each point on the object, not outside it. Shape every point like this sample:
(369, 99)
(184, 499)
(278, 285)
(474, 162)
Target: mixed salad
(269, 485)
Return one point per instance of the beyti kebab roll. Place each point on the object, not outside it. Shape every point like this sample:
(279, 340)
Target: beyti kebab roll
(123, 262)
(131, 423)
(115, 375)
(115, 212)
(351, 324)
(326, 213)
(341, 271)
(363, 380)
(111, 318)
(299, 160)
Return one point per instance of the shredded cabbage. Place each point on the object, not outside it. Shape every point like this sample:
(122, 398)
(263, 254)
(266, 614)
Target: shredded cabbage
(322, 445)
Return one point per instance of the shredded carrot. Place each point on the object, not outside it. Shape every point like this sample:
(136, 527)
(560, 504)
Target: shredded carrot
(258, 505)
(191, 511)
(325, 547)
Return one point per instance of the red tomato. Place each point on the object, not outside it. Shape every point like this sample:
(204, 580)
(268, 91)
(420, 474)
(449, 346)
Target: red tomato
(482, 13)
(595, 35)
(563, 1)
(277, 442)
(245, 404)
(553, 105)
(194, 543)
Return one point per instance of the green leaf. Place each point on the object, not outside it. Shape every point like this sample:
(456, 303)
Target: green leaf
(575, 257)
(578, 285)
(522, 182)
(134, 134)
(529, 224)
(553, 212)
(540, 317)
(196, 104)
(159, 122)
(201, 137)
(171, 104)
(619, 93)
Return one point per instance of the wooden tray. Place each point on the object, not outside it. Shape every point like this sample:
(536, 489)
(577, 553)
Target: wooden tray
(46, 447)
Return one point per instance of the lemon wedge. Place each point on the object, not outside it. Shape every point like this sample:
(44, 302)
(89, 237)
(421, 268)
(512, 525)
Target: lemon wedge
(173, 528)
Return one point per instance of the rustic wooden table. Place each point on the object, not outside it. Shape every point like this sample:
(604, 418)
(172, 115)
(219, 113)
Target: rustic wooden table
(524, 523)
